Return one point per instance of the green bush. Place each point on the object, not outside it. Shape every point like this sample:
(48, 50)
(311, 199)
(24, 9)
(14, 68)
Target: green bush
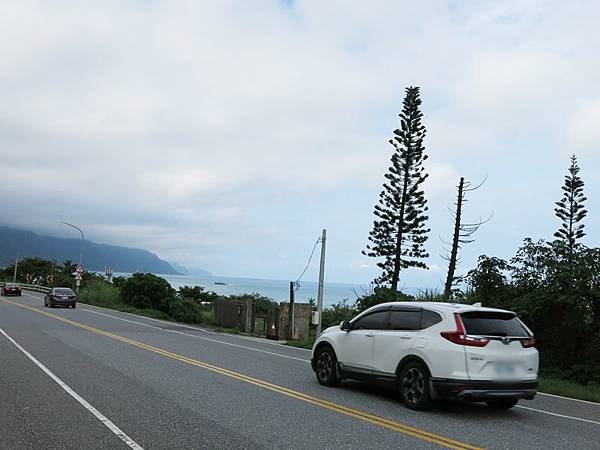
(430, 295)
(100, 293)
(263, 304)
(556, 291)
(147, 291)
(381, 295)
(196, 293)
(337, 313)
(186, 310)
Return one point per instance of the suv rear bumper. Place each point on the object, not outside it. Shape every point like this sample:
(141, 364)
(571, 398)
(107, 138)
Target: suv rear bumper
(483, 390)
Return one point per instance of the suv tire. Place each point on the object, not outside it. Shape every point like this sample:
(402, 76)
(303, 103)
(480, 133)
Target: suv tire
(413, 385)
(502, 404)
(326, 367)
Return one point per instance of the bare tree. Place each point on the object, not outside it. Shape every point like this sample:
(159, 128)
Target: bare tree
(463, 232)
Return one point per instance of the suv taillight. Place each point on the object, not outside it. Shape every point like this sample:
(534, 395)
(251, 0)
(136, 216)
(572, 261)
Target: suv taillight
(527, 343)
(460, 336)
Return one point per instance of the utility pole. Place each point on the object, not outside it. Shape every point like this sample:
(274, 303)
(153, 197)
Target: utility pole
(15, 274)
(291, 312)
(321, 280)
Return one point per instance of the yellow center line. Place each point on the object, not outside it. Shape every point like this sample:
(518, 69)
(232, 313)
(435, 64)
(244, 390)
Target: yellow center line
(347, 411)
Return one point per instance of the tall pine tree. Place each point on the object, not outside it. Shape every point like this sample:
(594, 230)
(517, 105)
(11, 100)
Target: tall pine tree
(399, 231)
(570, 209)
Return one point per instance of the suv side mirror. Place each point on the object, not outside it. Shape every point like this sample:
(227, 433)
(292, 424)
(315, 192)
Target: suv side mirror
(345, 326)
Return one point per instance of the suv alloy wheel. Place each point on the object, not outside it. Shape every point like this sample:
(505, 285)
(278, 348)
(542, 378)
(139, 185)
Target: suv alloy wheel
(414, 386)
(327, 367)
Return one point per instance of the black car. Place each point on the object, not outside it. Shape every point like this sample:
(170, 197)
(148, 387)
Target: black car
(60, 296)
(11, 289)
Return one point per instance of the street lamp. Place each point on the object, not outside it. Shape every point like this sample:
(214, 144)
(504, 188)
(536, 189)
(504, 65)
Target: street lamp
(82, 240)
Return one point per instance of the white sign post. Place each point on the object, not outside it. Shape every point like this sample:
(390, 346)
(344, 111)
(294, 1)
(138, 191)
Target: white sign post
(78, 276)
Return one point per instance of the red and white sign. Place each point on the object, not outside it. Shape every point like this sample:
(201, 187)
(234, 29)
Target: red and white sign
(79, 269)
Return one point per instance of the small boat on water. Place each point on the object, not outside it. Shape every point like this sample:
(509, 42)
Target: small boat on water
(221, 283)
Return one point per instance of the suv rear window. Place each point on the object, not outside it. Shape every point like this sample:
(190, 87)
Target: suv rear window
(404, 320)
(483, 323)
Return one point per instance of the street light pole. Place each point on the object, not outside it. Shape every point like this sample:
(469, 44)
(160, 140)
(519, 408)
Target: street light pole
(82, 239)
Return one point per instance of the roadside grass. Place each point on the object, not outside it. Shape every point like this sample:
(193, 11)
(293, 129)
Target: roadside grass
(564, 388)
(305, 343)
(106, 295)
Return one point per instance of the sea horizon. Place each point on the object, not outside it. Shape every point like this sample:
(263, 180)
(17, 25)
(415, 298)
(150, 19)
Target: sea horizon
(278, 290)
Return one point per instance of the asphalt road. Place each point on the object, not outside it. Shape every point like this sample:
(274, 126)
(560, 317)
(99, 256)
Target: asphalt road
(97, 378)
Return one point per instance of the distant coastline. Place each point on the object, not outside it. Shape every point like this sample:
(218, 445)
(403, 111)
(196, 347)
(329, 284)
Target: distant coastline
(278, 290)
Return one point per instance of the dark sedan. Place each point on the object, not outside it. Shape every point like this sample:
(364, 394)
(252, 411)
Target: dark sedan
(60, 296)
(11, 289)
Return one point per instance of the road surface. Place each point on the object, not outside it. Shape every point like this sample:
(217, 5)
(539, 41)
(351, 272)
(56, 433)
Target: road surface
(96, 378)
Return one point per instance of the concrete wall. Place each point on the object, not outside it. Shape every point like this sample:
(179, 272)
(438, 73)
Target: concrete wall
(302, 318)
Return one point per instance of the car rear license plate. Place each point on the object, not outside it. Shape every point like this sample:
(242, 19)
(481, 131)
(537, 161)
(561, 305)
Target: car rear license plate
(504, 369)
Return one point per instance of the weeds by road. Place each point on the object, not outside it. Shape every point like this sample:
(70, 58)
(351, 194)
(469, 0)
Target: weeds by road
(566, 388)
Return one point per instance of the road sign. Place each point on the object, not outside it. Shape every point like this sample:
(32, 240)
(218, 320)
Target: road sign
(79, 269)
(78, 276)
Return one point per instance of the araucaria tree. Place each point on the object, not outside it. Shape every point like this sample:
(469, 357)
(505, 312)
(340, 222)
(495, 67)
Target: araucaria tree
(399, 231)
(570, 209)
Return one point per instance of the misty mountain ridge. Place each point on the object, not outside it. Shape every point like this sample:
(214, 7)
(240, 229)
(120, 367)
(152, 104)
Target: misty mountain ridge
(22, 243)
(183, 270)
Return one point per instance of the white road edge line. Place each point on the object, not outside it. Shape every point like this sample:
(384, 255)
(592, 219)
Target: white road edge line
(569, 398)
(101, 417)
(559, 415)
(195, 336)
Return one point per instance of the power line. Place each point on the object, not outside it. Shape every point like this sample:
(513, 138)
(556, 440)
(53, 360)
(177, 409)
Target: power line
(297, 282)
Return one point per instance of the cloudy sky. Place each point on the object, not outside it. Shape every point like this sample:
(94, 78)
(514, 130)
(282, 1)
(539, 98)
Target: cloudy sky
(226, 135)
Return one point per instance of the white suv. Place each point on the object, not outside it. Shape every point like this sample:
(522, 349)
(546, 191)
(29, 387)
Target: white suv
(433, 351)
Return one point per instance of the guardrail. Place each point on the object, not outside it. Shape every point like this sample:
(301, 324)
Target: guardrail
(35, 288)
(30, 287)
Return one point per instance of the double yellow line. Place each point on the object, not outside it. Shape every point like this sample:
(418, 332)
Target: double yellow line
(351, 412)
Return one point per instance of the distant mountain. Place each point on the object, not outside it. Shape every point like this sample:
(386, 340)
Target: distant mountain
(179, 268)
(186, 271)
(200, 273)
(23, 243)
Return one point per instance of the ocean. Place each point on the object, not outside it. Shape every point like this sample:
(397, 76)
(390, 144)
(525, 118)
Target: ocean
(278, 290)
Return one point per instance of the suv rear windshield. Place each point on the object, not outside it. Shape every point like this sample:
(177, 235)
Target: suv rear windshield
(480, 323)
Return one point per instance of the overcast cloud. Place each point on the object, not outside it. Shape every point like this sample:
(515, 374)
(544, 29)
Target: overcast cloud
(225, 135)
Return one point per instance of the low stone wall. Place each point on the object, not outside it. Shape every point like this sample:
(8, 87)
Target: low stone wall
(302, 318)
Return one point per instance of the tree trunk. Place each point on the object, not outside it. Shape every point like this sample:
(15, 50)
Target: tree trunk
(455, 242)
(397, 260)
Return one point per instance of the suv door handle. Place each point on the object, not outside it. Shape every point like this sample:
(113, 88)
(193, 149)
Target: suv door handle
(369, 335)
(405, 337)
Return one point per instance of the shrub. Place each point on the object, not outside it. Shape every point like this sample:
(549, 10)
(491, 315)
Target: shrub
(381, 295)
(263, 304)
(147, 291)
(100, 293)
(185, 310)
(337, 313)
(196, 293)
